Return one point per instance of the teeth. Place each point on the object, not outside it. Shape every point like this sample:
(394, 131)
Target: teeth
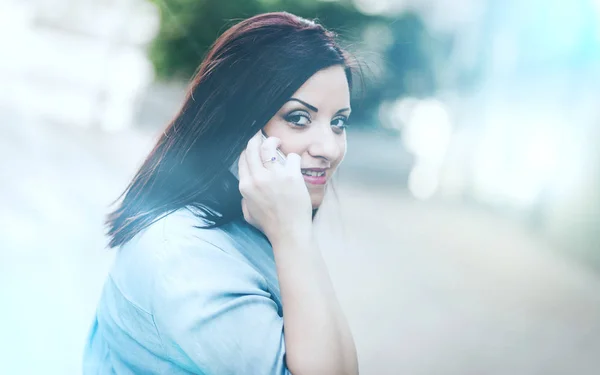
(313, 173)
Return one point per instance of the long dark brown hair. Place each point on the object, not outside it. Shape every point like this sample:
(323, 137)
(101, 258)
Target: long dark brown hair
(249, 73)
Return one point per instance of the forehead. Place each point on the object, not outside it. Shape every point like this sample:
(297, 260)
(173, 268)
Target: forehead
(328, 88)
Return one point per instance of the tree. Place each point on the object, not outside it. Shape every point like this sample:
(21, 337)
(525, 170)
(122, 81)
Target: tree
(189, 27)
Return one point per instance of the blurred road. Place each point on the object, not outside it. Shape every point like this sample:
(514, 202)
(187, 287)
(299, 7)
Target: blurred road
(429, 288)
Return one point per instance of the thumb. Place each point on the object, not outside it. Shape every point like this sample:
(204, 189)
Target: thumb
(292, 163)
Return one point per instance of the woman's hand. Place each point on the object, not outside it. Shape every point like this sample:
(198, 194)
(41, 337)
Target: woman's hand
(317, 337)
(275, 197)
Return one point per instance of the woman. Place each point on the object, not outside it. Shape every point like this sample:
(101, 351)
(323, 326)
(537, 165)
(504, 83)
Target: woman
(219, 276)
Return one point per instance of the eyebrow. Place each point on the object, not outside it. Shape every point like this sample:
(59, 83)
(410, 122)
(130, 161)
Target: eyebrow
(313, 108)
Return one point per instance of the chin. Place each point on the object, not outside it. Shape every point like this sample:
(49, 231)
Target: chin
(316, 200)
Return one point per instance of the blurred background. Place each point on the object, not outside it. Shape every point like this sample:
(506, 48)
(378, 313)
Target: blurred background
(469, 202)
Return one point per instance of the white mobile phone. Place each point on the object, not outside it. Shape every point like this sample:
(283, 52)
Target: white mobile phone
(234, 167)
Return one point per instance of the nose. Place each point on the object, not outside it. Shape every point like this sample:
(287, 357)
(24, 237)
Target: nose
(326, 144)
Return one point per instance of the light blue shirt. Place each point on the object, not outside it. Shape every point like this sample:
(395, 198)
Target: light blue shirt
(184, 300)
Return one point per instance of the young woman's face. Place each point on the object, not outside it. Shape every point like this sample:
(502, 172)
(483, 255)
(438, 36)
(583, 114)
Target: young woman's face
(312, 124)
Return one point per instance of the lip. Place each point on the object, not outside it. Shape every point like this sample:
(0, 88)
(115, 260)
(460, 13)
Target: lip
(315, 180)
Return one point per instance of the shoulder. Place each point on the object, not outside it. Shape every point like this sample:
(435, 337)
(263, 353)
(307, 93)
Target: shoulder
(184, 227)
(176, 234)
(206, 303)
(176, 255)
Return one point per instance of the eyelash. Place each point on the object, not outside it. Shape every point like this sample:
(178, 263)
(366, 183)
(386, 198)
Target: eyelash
(295, 114)
(305, 115)
(345, 119)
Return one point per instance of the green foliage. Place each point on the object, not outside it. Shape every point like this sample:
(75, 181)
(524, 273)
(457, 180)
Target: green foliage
(189, 27)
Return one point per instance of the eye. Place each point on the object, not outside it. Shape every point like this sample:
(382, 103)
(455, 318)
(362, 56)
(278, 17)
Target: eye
(298, 118)
(340, 122)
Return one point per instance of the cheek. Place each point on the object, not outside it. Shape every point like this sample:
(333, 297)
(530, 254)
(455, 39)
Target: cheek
(342, 145)
(273, 127)
(290, 140)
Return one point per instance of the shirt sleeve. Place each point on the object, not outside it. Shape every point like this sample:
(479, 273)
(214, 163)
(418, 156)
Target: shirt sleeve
(213, 312)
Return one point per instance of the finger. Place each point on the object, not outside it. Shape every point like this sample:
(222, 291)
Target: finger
(253, 157)
(268, 153)
(293, 163)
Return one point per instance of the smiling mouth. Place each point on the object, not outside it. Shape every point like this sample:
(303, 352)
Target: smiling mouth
(313, 173)
(315, 176)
